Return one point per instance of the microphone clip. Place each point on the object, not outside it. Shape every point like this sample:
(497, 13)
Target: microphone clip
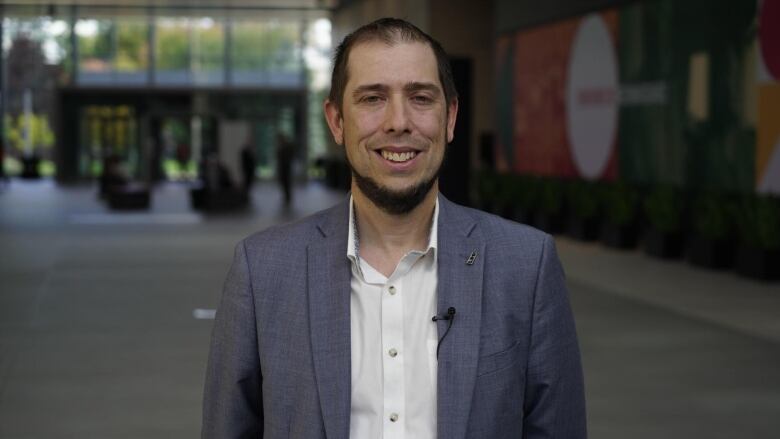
(449, 316)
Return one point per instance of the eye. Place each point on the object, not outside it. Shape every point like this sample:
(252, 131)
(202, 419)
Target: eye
(422, 99)
(370, 99)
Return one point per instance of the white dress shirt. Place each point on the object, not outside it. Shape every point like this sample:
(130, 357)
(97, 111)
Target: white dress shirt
(393, 343)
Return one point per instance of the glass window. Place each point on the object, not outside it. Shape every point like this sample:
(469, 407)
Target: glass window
(208, 51)
(189, 51)
(131, 63)
(267, 53)
(95, 50)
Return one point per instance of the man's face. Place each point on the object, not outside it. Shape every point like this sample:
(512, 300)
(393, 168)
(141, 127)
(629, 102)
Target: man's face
(394, 120)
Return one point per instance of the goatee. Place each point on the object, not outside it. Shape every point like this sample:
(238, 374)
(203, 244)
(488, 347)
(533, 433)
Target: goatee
(394, 202)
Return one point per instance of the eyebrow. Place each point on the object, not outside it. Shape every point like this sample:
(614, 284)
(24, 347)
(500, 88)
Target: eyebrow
(422, 86)
(369, 88)
(408, 88)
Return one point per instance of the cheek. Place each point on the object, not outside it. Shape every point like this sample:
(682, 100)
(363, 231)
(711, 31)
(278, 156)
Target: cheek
(365, 124)
(432, 125)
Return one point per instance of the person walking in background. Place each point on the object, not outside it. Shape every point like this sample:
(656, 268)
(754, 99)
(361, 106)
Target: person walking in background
(285, 152)
(248, 165)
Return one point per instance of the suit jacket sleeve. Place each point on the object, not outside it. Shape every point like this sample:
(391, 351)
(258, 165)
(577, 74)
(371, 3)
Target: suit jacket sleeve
(232, 402)
(554, 403)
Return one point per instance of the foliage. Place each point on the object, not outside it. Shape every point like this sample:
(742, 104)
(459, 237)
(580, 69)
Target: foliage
(97, 46)
(758, 220)
(551, 194)
(172, 48)
(265, 45)
(487, 185)
(582, 198)
(664, 209)
(712, 216)
(621, 203)
(527, 192)
(505, 192)
(132, 51)
(41, 134)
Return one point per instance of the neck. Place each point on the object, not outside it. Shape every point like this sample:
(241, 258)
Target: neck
(386, 238)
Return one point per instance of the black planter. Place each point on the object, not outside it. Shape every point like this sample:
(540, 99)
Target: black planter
(624, 236)
(664, 245)
(129, 197)
(523, 216)
(507, 212)
(218, 201)
(487, 206)
(710, 253)
(583, 229)
(549, 222)
(30, 168)
(757, 263)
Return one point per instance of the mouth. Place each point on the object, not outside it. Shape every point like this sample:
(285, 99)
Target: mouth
(397, 155)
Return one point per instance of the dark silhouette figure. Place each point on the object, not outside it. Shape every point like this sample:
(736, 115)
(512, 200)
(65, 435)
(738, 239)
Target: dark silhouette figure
(248, 165)
(285, 152)
(113, 177)
(213, 174)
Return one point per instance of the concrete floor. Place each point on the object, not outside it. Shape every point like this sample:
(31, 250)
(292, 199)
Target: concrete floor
(98, 338)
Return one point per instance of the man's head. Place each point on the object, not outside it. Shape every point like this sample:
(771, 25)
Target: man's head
(393, 105)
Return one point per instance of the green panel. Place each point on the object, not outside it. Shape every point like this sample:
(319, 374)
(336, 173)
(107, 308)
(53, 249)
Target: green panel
(505, 101)
(661, 142)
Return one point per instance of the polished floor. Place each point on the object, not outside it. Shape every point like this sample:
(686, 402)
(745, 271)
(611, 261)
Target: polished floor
(104, 323)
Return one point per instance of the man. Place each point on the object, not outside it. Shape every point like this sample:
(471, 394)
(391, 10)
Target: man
(397, 314)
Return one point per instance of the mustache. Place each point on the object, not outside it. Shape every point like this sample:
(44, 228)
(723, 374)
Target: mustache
(402, 139)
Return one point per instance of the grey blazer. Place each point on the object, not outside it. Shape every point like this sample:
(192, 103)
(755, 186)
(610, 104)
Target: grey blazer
(280, 361)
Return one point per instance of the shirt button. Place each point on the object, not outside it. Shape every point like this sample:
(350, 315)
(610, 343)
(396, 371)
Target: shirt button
(393, 417)
(392, 290)
(392, 352)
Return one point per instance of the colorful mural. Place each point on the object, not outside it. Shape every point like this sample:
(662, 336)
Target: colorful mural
(768, 145)
(562, 106)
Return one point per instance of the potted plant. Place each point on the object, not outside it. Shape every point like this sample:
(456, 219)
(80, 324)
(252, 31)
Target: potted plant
(526, 197)
(583, 207)
(487, 183)
(29, 134)
(758, 252)
(663, 235)
(711, 244)
(504, 196)
(549, 216)
(621, 215)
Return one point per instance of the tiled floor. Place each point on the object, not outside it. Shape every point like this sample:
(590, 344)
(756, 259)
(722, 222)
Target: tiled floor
(98, 338)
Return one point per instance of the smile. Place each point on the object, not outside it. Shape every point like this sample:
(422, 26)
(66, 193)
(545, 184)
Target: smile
(398, 157)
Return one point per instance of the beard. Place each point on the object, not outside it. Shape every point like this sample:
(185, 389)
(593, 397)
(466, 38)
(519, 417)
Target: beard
(394, 202)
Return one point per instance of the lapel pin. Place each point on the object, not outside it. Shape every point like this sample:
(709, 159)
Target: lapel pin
(472, 258)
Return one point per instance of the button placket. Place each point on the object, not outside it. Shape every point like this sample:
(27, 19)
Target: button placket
(393, 364)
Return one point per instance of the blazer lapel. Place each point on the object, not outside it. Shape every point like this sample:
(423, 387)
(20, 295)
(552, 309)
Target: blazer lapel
(329, 315)
(460, 266)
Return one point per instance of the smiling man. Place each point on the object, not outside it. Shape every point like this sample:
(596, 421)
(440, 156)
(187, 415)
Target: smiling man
(396, 314)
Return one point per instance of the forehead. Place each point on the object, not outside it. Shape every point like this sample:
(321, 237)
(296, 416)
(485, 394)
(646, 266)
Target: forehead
(376, 62)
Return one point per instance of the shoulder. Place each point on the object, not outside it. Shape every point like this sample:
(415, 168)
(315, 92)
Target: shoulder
(497, 230)
(288, 237)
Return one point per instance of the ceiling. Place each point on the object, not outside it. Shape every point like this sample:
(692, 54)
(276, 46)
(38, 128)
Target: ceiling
(195, 4)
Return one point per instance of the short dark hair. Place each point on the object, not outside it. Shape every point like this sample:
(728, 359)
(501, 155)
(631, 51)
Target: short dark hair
(389, 31)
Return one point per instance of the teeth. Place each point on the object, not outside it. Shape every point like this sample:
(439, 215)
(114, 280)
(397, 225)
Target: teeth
(398, 157)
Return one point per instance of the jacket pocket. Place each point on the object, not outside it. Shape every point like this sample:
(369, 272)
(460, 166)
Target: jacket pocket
(498, 361)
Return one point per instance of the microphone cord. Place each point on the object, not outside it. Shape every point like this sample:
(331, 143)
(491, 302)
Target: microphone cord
(451, 318)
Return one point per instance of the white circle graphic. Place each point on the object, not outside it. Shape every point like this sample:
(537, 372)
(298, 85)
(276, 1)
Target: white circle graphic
(592, 97)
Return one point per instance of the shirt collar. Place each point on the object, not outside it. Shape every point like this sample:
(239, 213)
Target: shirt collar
(353, 237)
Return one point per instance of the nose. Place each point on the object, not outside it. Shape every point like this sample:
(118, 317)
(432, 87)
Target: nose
(396, 117)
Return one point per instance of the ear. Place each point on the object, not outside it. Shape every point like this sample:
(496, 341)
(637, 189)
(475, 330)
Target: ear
(335, 121)
(452, 115)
